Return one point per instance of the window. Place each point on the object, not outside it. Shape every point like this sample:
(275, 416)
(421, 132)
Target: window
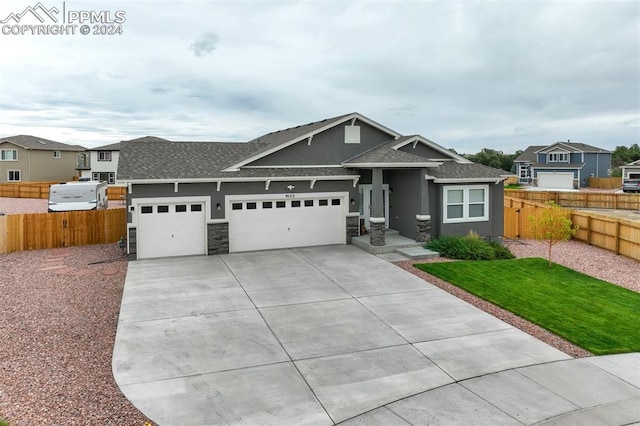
(163, 209)
(104, 155)
(351, 134)
(267, 204)
(308, 203)
(252, 206)
(558, 157)
(280, 204)
(466, 203)
(13, 175)
(295, 203)
(236, 206)
(196, 207)
(524, 171)
(146, 209)
(323, 202)
(335, 202)
(56, 154)
(9, 155)
(181, 208)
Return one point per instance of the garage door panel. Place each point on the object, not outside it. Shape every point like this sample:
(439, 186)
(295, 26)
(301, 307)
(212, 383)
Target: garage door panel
(555, 180)
(287, 223)
(171, 230)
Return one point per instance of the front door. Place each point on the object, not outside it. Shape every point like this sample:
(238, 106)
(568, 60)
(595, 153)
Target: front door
(365, 203)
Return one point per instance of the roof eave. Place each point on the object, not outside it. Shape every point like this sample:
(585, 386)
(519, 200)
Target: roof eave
(433, 145)
(391, 165)
(496, 179)
(236, 179)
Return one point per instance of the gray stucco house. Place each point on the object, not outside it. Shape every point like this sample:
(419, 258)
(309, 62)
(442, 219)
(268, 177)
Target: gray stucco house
(562, 165)
(314, 184)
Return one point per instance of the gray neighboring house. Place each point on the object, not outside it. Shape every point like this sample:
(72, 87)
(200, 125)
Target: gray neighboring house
(26, 158)
(562, 165)
(631, 170)
(315, 184)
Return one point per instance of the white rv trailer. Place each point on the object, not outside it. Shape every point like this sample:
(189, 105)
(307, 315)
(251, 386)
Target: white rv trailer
(71, 196)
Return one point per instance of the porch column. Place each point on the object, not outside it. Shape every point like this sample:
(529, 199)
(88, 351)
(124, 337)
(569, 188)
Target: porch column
(377, 220)
(423, 218)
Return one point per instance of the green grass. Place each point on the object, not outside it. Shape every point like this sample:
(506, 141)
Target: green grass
(3, 423)
(593, 314)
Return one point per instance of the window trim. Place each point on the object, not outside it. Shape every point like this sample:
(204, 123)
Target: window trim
(559, 157)
(3, 156)
(14, 171)
(105, 157)
(57, 154)
(465, 203)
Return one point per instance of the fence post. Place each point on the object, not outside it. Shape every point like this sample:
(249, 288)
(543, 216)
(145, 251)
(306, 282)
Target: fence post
(617, 236)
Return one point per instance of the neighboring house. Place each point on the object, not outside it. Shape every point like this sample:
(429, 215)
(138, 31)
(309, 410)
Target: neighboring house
(100, 163)
(631, 170)
(25, 158)
(316, 184)
(562, 165)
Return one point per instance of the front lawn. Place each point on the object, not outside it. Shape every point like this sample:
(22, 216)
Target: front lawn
(593, 314)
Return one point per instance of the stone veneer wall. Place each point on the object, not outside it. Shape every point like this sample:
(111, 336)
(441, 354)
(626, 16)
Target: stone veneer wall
(132, 244)
(218, 238)
(423, 231)
(353, 227)
(376, 234)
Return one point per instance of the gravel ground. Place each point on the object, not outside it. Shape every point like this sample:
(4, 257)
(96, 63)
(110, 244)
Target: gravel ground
(59, 318)
(35, 205)
(579, 256)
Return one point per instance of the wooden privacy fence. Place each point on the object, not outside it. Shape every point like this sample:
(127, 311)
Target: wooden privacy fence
(41, 190)
(617, 235)
(605, 183)
(64, 229)
(585, 200)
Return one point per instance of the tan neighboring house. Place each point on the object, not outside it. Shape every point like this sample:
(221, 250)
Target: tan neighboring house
(26, 158)
(100, 163)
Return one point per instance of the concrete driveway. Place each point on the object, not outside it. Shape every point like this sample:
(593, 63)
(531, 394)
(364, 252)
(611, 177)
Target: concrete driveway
(330, 334)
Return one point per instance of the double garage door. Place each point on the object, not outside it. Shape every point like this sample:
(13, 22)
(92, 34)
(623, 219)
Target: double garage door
(560, 180)
(179, 227)
(296, 221)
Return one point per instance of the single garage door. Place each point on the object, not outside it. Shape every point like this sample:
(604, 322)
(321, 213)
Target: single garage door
(555, 180)
(168, 229)
(307, 220)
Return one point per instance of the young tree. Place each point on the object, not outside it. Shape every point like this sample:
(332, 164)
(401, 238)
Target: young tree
(553, 225)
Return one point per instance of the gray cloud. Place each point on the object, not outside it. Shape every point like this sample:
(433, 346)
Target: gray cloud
(207, 43)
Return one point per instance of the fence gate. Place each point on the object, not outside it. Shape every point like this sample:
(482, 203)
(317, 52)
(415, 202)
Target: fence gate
(516, 222)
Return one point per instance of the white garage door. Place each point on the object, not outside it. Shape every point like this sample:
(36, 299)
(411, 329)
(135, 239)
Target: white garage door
(170, 229)
(306, 220)
(555, 180)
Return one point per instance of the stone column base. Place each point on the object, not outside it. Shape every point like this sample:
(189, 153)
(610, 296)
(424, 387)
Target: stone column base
(376, 231)
(423, 228)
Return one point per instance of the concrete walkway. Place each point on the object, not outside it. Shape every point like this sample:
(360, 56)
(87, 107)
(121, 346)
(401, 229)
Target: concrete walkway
(330, 334)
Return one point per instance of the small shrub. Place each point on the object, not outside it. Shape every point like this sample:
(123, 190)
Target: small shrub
(469, 247)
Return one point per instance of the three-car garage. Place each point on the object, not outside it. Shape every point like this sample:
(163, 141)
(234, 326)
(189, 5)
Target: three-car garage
(178, 226)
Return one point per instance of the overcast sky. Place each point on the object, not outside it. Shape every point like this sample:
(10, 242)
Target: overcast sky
(467, 75)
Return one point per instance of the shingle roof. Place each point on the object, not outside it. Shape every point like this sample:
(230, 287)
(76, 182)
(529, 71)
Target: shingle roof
(557, 165)
(155, 158)
(529, 154)
(453, 170)
(34, 142)
(580, 146)
(110, 147)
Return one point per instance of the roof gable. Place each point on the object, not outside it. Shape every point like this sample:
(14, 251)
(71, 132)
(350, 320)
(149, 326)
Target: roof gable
(417, 139)
(278, 140)
(110, 147)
